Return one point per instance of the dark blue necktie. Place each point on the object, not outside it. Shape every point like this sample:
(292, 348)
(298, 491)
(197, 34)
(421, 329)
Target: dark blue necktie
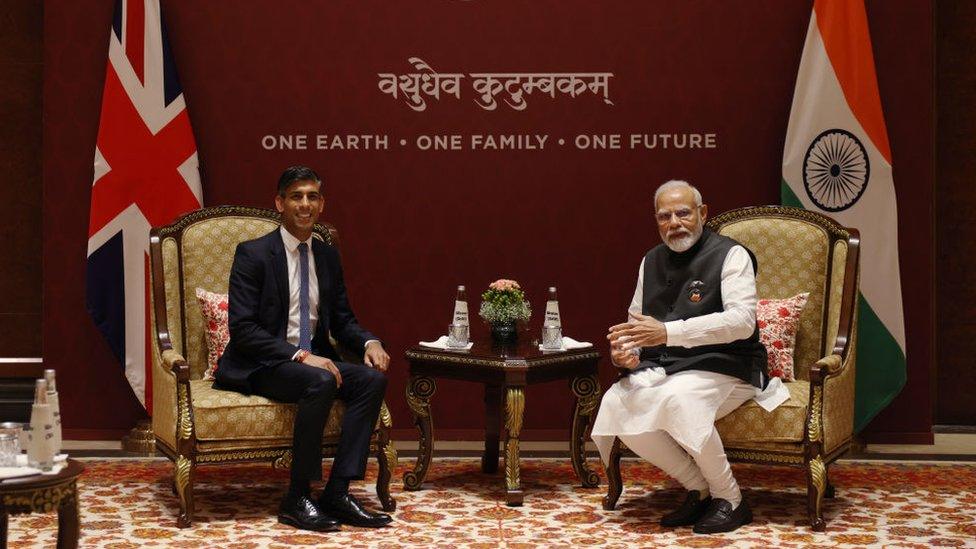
(304, 320)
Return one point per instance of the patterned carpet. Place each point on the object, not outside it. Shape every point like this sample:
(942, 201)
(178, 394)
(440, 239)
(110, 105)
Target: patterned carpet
(127, 504)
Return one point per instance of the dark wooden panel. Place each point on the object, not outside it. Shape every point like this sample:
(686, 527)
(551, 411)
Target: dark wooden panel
(21, 31)
(16, 397)
(21, 193)
(21, 69)
(20, 335)
(955, 220)
(20, 369)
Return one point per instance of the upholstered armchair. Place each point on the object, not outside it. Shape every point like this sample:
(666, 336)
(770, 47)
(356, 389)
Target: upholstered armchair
(797, 251)
(194, 423)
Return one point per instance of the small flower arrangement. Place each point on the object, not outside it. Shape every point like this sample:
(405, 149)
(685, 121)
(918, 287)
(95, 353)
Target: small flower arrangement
(503, 302)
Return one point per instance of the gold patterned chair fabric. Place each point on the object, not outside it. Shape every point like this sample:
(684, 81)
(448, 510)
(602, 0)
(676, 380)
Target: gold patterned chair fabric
(797, 251)
(194, 423)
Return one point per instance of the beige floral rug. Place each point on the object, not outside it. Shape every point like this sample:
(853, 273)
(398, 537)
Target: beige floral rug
(128, 504)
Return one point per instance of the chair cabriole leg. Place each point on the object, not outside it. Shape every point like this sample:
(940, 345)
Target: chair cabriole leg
(614, 482)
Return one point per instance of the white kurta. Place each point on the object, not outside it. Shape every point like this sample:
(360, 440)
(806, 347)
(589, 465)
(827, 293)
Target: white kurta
(686, 404)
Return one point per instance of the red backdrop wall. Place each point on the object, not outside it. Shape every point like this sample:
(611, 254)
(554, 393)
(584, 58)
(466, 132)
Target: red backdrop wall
(414, 223)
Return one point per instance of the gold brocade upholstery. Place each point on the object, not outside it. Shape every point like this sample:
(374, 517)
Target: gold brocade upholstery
(792, 257)
(227, 415)
(174, 313)
(797, 251)
(750, 423)
(836, 291)
(193, 422)
(207, 254)
(838, 415)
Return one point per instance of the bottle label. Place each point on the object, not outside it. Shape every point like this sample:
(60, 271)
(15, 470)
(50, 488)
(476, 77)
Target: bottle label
(552, 314)
(460, 313)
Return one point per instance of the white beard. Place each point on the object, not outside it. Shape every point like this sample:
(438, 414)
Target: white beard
(683, 242)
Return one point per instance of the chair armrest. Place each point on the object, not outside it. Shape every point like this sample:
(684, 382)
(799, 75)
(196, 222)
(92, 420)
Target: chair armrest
(831, 415)
(829, 365)
(171, 380)
(174, 362)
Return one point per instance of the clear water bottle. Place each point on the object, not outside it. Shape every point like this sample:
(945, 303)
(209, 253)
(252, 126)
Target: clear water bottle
(552, 326)
(552, 310)
(53, 402)
(461, 310)
(40, 440)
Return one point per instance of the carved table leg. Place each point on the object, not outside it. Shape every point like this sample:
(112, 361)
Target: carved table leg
(419, 391)
(587, 391)
(68, 520)
(3, 529)
(514, 412)
(493, 402)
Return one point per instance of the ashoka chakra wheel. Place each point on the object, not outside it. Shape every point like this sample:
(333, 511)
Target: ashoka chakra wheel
(836, 170)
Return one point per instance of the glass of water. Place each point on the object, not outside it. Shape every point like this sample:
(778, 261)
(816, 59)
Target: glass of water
(9, 449)
(457, 336)
(18, 429)
(552, 338)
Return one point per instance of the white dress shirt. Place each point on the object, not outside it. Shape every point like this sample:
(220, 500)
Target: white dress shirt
(293, 256)
(295, 285)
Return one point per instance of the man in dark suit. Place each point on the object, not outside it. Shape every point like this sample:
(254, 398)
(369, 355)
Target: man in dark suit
(286, 294)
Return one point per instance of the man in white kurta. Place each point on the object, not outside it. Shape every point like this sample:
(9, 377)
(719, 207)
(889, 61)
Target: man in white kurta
(685, 373)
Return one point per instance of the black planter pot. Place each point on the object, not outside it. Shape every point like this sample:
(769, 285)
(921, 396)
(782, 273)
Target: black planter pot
(504, 332)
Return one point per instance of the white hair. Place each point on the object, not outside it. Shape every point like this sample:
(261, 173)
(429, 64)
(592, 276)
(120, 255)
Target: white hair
(677, 184)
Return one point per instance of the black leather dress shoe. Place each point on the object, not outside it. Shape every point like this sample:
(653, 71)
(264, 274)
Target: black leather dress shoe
(348, 510)
(300, 512)
(720, 517)
(689, 512)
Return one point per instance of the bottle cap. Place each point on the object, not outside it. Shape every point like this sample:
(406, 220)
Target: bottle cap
(49, 377)
(552, 288)
(461, 288)
(40, 391)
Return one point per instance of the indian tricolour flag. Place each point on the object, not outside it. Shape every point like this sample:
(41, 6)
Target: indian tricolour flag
(837, 161)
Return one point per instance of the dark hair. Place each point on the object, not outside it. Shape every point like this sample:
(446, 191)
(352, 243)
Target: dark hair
(293, 174)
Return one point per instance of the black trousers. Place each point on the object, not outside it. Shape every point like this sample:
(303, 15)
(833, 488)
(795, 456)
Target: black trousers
(313, 390)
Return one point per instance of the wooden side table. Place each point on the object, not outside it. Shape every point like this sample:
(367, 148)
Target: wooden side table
(43, 494)
(505, 371)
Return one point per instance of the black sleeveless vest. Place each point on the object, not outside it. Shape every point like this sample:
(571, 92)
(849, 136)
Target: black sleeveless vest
(683, 285)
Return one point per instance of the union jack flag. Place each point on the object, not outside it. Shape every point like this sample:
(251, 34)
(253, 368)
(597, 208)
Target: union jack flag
(146, 175)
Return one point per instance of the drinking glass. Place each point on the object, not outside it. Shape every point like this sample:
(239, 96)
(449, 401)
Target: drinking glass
(457, 335)
(9, 449)
(552, 338)
(17, 429)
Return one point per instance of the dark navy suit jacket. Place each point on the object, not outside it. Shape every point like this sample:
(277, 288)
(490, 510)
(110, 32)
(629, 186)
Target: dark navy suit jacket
(258, 313)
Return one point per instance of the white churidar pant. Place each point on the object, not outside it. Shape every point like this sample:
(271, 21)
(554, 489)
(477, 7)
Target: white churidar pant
(669, 420)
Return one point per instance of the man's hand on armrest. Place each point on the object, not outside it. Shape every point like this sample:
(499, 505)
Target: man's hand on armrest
(375, 356)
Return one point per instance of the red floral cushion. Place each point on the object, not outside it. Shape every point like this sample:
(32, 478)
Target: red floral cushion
(778, 320)
(213, 306)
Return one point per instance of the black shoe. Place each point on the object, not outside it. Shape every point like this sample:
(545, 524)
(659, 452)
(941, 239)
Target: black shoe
(720, 517)
(300, 512)
(348, 510)
(690, 511)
